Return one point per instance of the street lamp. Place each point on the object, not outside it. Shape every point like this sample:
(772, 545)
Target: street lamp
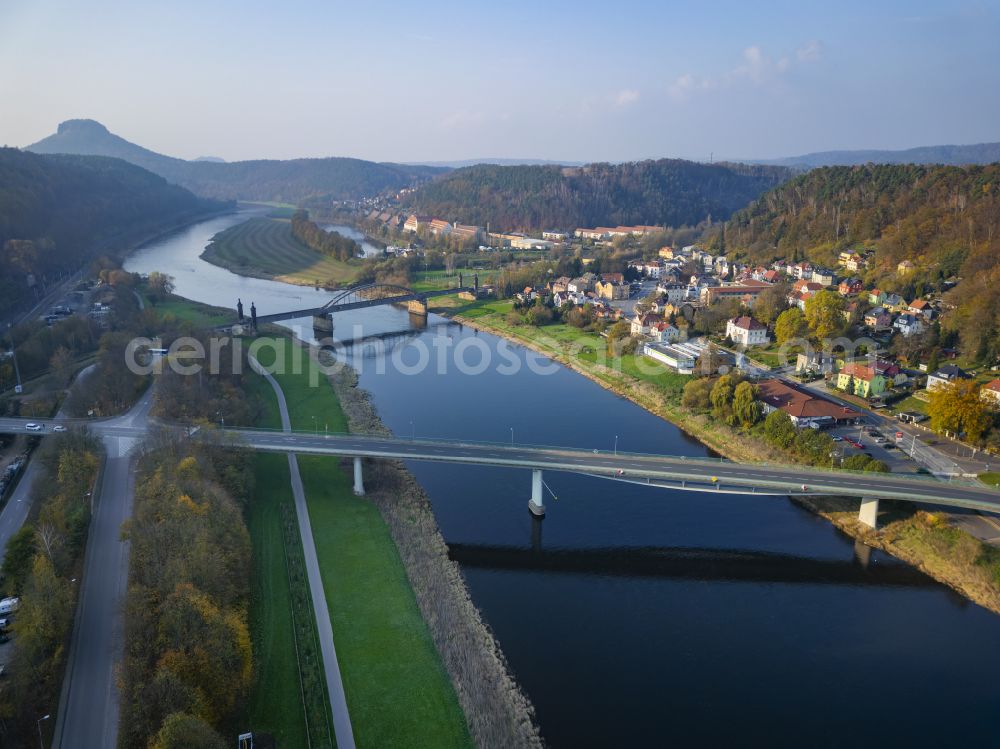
(39, 724)
(13, 354)
(413, 431)
(512, 436)
(616, 444)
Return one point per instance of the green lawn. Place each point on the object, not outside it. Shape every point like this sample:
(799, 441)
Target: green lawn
(275, 705)
(910, 403)
(265, 247)
(992, 478)
(397, 689)
(200, 315)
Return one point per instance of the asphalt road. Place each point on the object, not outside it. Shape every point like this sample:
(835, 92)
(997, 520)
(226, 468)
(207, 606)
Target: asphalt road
(89, 705)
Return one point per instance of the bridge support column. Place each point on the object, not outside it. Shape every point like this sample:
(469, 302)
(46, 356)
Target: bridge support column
(359, 485)
(323, 323)
(537, 502)
(868, 515)
(417, 307)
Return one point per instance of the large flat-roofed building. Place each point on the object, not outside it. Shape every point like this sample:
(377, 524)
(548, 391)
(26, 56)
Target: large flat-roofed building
(801, 405)
(677, 357)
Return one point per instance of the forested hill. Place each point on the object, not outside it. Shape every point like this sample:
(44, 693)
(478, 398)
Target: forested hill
(55, 209)
(979, 153)
(667, 192)
(285, 181)
(945, 219)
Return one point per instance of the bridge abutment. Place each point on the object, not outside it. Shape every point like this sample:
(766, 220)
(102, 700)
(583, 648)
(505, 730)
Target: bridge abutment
(537, 502)
(359, 484)
(323, 323)
(417, 307)
(868, 514)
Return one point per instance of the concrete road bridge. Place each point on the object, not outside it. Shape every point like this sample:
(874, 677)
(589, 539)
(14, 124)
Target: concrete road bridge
(360, 296)
(658, 471)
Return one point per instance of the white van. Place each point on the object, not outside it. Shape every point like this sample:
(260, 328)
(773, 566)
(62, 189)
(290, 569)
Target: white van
(9, 606)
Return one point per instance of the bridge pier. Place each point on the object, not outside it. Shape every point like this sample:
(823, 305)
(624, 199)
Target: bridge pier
(359, 485)
(323, 323)
(417, 307)
(868, 514)
(537, 502)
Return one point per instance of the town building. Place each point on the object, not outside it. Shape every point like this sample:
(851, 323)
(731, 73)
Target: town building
(947, 374)
(990, 392)
(866, 381)
(802, 406)
(611, 290)
(680, 358)
(747, 331)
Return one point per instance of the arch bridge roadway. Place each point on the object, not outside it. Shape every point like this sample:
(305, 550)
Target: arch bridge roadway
(362, 296)
(661, 471)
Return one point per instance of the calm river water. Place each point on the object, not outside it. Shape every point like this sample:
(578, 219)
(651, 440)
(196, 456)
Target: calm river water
(642, 617)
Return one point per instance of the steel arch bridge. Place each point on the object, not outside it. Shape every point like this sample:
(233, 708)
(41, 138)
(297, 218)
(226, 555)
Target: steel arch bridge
(362, 296)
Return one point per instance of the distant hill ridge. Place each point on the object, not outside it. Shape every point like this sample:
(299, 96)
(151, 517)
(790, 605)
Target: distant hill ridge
(666, 192)
(979, 153)
(291, 181)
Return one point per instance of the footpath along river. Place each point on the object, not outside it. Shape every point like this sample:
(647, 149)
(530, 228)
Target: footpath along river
(642, 617)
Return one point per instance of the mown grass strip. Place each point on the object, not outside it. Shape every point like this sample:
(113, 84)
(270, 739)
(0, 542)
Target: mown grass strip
(397, 689)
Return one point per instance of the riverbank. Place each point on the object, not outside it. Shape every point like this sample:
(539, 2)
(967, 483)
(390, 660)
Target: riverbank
(945, 553)
(263, 247)
(497, 711)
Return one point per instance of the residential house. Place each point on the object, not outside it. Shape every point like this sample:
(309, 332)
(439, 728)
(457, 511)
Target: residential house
(850, 286)
(560, 285)
(643, 324)
(673, 292)
(578, 285)
(824, 276)
(895, 302)
(878, 319)
(861, 380)
(613, 277)
(745, 293)
(990, 392)
(904, 267)
(555, 236)
(601, 232)
(747, 331)
(664, 332)
(909, 325)
(611, 290)
(667, 253)
(893, 373)
(876, 297)
(946, 374)
(921, 307)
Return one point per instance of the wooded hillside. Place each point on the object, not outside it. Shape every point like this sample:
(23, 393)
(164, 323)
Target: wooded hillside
(54, 210)
(668, 192)
(944, 219)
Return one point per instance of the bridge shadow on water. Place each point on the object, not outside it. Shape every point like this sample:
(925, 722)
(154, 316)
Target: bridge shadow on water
(370, 345)
(685, 563)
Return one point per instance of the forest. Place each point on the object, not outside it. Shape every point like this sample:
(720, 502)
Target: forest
(56, 211)
(667, 192)
(330, 243)
(944, 219)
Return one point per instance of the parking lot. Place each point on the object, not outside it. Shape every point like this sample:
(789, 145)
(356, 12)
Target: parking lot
(884, 449)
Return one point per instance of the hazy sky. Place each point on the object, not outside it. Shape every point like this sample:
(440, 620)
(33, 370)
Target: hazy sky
(572, 80)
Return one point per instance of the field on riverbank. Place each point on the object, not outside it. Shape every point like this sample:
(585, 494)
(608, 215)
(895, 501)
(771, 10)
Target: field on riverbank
(264, 247)
(946, 553)
(398, 692)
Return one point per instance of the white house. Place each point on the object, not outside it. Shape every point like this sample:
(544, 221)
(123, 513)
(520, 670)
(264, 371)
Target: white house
(674, 292)
(947, 373)
(747, 331)
(908, 325)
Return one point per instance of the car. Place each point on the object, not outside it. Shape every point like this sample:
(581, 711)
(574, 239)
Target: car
(837, 438)
(888, 446)
(33, 427)
(58, 428)
(853, 443)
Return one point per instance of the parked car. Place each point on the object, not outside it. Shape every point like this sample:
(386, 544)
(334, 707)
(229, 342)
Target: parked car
(853, 443)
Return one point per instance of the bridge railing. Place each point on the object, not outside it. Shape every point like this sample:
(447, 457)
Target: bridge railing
(703, 460)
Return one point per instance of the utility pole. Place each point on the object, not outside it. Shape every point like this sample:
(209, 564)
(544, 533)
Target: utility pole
(13, 353)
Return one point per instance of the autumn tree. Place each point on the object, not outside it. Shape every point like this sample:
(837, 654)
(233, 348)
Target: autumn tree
(779, 429)
(957, 407)
(697, 394)
(747, 408)
(791, 324)
(824, 314)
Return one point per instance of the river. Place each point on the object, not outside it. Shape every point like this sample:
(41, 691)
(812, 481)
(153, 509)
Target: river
(642, 617)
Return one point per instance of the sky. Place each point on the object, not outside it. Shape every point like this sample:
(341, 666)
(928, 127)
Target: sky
(569, 80)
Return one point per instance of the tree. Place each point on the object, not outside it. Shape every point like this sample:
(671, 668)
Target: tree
(791, 324)
(183, 731)
(159, 286)
(19, 557)
(697, 394)
(722, 397)
(61, 364)
(779, 429)
(771, 302)
(958, 407)
(824, 314)
(746, 407)
(711, 360)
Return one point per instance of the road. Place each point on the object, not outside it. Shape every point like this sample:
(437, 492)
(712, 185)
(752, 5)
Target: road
(89, 705)
(324, 627)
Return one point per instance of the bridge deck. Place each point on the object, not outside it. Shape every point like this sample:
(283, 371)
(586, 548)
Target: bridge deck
(363, 304)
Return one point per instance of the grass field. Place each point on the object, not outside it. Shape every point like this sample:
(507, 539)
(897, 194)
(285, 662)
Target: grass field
(275, 705)
(265, 248)
(200, 315)
(397, 690)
